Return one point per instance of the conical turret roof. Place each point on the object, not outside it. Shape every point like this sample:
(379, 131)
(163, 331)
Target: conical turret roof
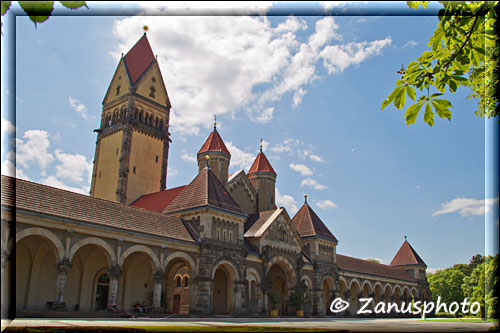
(214, 143)
(308, 223)
(261, 164)
(407, 256)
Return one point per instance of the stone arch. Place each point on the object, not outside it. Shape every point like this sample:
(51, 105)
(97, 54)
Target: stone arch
(228, 263)
(110, 254)
(225, 294)
(179, 255)
(284, 263)
(354, 280)
(144, 249)
(327, 287)
(50, 236)
(367, 283)
(391, 289)
(253, 271)
(414, 292)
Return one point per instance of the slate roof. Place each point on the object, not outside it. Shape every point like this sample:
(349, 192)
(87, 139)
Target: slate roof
(261, 164)
(407, 256)
(138, 59)
(204, 190)
(308, 223)
(214, 143)
(366, 267)
(158, 201)
(46, 200)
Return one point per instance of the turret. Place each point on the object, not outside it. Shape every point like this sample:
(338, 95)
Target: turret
(218, 154)
(263, 178)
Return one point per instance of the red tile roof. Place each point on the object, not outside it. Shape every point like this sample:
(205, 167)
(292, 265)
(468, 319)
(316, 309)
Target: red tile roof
(50, 201)
(138, 59)
(366, 267)
(407, 256)
(308, 223)
(214, 143)
(205, 190)
(261, 164)
(158, 201)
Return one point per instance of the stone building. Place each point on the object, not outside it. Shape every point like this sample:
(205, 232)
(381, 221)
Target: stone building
(217, 245)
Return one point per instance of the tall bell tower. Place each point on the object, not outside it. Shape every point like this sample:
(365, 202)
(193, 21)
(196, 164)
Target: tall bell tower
(132, 145)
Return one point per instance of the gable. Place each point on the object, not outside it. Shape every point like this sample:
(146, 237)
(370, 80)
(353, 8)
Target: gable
(243, 192)
(275, 228)
(120, 79)
(151, 86)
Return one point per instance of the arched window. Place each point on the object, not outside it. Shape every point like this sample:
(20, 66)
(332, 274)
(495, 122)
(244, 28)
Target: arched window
(156, 122)
(140, 116)
(161, 125)
(186, 282)
(178, 282)
(117, 90)
(253, 290)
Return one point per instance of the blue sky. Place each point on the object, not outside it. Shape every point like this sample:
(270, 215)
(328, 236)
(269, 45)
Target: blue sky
(310, 86)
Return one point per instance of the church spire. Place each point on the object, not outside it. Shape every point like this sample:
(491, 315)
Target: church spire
(219, 155)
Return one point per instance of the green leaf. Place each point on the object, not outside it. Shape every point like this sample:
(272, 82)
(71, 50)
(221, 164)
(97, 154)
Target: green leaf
(429, 115)
(5, 6)
(435, 95)
(411, 92)
(452, 85)
(38, 11)
(390, 98)
(412, 112)
(73, 4)
(442, 107)
(399, 101)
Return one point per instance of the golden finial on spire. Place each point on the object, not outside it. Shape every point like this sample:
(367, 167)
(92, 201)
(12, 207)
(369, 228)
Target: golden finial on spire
(215, 121)
(145, 28)
(206, 159)
(261, 145)
(305, 198)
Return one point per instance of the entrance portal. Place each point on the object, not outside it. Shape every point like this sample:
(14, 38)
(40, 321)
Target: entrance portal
(220, 293)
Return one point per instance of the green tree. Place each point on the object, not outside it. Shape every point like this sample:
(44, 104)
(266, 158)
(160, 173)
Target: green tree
(473, 286)
(373, 260)
(464, 52)
(491, 286)
(447, 283)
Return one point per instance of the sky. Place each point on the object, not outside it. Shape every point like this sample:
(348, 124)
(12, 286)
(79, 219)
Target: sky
(308, 79)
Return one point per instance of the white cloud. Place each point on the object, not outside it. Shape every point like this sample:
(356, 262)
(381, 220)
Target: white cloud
(54, 182)
(419, 188)
(411, 43)
(73, 167)
(9, 169)
(326, 204)
(332, 4)
(287, 201)
(433, 270)
(80, 109)
(311, 156)
(172, 172)
(188, 157)
(34, 148)
(265, 116)
(7, 128)
(336, 58)
(309, 182)
(467, 206)
(302, 169)
(240, 158)
(235, 63)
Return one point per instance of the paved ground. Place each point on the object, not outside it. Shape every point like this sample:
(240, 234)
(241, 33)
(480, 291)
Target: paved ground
(366, 325)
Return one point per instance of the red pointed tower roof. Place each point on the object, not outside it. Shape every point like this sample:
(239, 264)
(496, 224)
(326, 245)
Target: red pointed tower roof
(261, 164)
(308, 223)
(138, 59)
(214, 143)
(407, 256)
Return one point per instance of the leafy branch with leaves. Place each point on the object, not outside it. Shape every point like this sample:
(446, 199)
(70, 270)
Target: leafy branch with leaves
(464, 52)
(40, 11)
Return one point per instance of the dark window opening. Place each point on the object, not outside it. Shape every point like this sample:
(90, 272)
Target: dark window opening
(156, 158)
(133, 170)
(152, 91)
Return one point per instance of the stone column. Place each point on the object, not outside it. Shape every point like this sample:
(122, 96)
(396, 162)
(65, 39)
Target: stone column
(62, 269)
(158, 277)
(114, 273)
